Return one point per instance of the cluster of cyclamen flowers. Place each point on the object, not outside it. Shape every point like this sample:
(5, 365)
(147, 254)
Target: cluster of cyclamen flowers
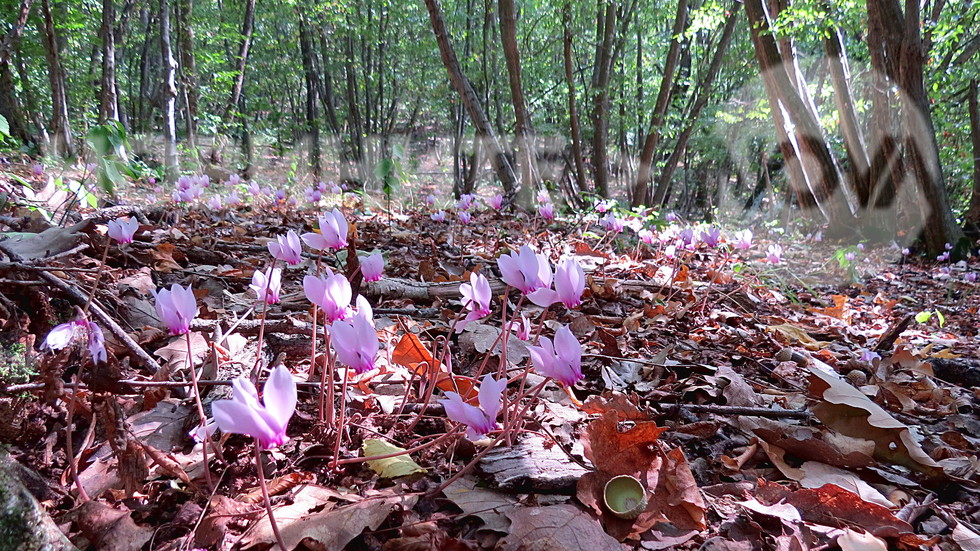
(561, 360)
(122, 231)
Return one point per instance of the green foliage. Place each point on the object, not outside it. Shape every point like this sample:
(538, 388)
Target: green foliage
(15, 365)
(109, 143)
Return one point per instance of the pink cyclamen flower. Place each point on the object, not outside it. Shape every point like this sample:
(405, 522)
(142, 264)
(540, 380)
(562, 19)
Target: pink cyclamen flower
(543, 196)
(332, 293)
(646, 236)
(203, 432)
(869, 356)
(233, 180)
(547, 211)
(478, 420)
(123, 230)
(430, 199)
(465, 217)
(265, 421)
(711, 236)
(356, 343)
(562, 361)
(63, 335)
(321, 187)
(267, 284)
(176, 307)
(233, 200)
(476, 299)
(496, 202)
(774, 254)
(569, 285)
(602, 206)
(970, 277)
(743, 240)
(214, 203)
(438, 216)
(522, 329)
(672, 217)
(611, 223)
(527, 271)
(372, 267)
(333, 232)
(570, 282)
(465, 201)
(255, 189)
(287, 248)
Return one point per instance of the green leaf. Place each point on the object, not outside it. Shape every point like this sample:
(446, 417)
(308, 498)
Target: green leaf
(941, 318)
(4, 126)
(391, 467)
(923, 316)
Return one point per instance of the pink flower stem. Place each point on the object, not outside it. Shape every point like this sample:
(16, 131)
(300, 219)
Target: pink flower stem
(98, 277)
(430, 385)
(420, 447)
(72, 460)
(502, 368)
(265, 496)
(200, 409)
(343, 421)
(327, 382)
(519, 417)
(265, 308)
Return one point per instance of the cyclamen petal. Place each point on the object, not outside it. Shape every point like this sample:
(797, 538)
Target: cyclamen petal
(333, 232)
(176, 307)
(244, 414)
(372, 267)
(562, 361)
(332, 293)
(267, 284)
(479, 420)
(570, 282)
(525, 270)
(123, 230)
(287, 248)
(356, 343)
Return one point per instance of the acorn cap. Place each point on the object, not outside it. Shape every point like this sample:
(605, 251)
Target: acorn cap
(625, 497)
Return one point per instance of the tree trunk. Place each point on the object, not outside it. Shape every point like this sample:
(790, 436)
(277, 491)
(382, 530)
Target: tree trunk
(920, 136)
(602, 72)
(109, 97)
(641, 189)
(9, 104)
(312, 119)
(973, 214)
(573, 116)
(461, 84)
(245, 43)
(168, 95)
(525, 146)
(813, 172)
(703, 93)
(60, 131)
(857, 152)
(188, 68)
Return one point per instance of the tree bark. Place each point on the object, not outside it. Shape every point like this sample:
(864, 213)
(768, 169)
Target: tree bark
(188, 69)
(703, 93)
(973, 214)
(9, 104)
(814, 175)
(241, 62)
(109, 97)
(602, 72)
(641, 189)
(60, 131)
(168, 95)
(312, 118)
(573, 116)
(525, 142)
(461, 84)
(857, 152)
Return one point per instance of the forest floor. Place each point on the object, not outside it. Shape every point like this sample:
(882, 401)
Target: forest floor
(761, 405)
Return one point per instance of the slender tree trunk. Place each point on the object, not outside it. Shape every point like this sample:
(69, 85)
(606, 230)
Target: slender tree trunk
(817, 180)
(525, 141)
(60, 131)
(312, 118)
(188, 68)
(703, 93)
(354, 124)
(168, 95)
(468, 96)
(241, 61)
(857, 152)
(973, 214)
(109, 98)
(573, 116)
(9, 104)
(641, 189)
(119, 30)
(606, 22)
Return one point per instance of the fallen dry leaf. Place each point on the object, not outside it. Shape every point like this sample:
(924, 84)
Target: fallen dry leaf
(108, 528)
(555, 528)
(490, 506)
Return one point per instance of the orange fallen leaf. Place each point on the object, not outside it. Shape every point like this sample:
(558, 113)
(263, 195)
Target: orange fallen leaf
(411, 353)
